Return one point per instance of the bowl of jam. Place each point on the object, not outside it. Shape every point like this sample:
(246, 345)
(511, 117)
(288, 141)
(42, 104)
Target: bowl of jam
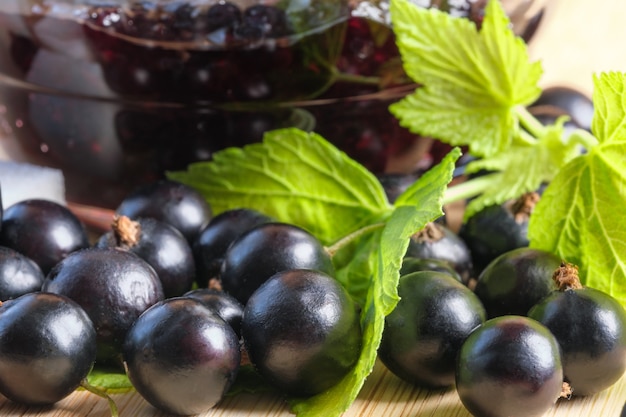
(118, 92)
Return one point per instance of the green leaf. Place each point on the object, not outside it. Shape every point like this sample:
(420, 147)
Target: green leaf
(296, 177)
(354, 266)
(300, 178)
(522, 167)
(472, 80)
(579, 216)
(420, 204)
(110, 381)
(609, 101)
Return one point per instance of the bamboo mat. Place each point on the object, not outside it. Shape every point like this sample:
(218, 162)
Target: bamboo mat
(383, 395)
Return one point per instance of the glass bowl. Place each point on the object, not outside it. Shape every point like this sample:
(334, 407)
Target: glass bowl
(115, 93)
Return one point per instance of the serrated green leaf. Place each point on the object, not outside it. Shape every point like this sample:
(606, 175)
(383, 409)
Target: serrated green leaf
(472, 80)
(296, 177)
(301, 178)
(609, 102)
(579, 216)
(522, 167)
(421, 204)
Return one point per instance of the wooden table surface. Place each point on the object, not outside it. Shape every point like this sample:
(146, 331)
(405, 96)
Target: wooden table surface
(383, 395)
(577, 38)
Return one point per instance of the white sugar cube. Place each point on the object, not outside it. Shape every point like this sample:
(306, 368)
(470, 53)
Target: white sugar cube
(20, 181)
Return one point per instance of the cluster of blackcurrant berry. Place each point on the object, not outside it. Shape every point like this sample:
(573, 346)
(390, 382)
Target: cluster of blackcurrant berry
(501, 320)
(528, 333)
(171, 295)
(178, 299)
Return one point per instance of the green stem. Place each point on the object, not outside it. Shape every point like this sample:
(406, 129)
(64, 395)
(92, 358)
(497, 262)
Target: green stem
(530, 122)
(356, 79)
(526, 138)
(468, 189)
(101, 393)
(585, 138)
(335, 247)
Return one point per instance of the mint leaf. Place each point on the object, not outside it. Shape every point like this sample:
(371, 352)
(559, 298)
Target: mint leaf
(420, 204)
(294, 176)
(522, 167)
(472, 80)
(579, 216)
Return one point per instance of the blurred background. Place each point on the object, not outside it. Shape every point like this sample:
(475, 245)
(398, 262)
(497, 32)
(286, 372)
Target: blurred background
(578, 38)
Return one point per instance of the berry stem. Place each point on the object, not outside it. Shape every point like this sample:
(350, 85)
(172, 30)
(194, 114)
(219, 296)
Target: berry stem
(335, 247)
(468, 189)
(530, 123)
(356, 79)
(127, 232)
(583, 137)
(566, 277)
(101, 393)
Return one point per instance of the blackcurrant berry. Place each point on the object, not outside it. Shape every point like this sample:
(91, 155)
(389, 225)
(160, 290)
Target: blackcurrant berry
(437, 241)
(113, 286)
(498, 229)
(590, 327)
(171, 202)
(301, 331)
(410, 264)
(509, 366)
(47, 348)
(210, 246)
(265, 250)
(19, 274)
(181, 357)
(424, 333)
(159, 244)
(516, 280)
(42, 230)
(225, 305)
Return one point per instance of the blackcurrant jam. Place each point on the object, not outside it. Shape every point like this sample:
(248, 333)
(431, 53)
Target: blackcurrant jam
(118, 92)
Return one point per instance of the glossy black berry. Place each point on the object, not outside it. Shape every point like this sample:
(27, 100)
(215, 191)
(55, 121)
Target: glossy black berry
(113, 286)
(42, 230)
(210, 246)
(509, 366)
(222, 303)
(395, 184)
(181, 357)
(516, 280)
(498, 229)
(301, 331)
(590, 327)
(410, 264)
(561, 100)
(171, 202)
(159, 244)
(424, 333)
(437, 241)
(47, 348)
(19, 274)
(265, 250)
